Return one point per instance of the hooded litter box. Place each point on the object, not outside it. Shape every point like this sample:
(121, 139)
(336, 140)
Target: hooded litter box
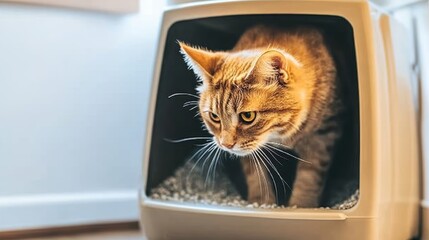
(372, 187)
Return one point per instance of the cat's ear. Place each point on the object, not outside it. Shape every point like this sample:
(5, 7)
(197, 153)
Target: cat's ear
(202, 62)
(271, 66)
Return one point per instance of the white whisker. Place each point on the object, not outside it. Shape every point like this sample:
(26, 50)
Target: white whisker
(259, 153)
(194, 107)
(183, 94)
(202, 144)
(280, 150)
(278, 173)
(212, 149)
(210, 166)
(280, 144)
(187, 139)
(271, 152)
(265, 181)
(206, 149)
(211, 169)
(257, 172)
(190, 103)
(216, 159)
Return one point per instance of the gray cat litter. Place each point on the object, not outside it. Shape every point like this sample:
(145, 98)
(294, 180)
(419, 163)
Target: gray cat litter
(190, 185)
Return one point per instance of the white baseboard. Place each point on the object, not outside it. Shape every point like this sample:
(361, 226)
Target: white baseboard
(67, 209)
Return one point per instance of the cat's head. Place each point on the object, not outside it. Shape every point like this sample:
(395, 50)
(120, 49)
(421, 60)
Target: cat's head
(249, 98)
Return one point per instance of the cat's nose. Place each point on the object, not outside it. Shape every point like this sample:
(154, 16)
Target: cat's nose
(227, 138)
(228, 145)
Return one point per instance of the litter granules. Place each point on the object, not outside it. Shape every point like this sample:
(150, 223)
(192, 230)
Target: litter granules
(189, 184)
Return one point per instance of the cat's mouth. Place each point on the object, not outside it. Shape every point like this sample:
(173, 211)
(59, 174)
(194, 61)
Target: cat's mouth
(236, 151)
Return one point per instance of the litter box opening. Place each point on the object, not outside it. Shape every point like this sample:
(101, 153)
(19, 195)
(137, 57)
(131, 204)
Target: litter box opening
(173, 121)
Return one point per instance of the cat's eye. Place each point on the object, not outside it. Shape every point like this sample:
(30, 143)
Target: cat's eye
(215, 118)
(247, 117)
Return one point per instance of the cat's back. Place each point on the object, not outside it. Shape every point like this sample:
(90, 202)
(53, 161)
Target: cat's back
(304, 43)
(261, 36)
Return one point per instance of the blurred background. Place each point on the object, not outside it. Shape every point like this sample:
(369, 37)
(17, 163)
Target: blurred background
(75, 80)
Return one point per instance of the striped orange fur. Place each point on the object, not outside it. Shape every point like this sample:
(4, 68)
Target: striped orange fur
(284, 81)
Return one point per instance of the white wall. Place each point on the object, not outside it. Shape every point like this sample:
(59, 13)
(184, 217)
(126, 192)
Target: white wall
(74, 87)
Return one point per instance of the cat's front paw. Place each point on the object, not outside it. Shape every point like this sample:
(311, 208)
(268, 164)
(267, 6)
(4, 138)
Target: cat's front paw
(267, 198)
(303, 201)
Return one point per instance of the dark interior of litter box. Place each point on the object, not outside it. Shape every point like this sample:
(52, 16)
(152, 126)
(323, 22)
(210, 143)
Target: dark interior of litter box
(172, 121)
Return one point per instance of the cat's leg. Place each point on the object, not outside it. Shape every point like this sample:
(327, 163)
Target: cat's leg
(259, 185)
(311, 175)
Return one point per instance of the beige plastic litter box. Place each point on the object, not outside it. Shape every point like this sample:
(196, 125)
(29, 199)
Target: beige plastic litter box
(380, 149)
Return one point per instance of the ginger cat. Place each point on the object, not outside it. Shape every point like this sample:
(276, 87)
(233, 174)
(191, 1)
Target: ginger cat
(276, 89)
